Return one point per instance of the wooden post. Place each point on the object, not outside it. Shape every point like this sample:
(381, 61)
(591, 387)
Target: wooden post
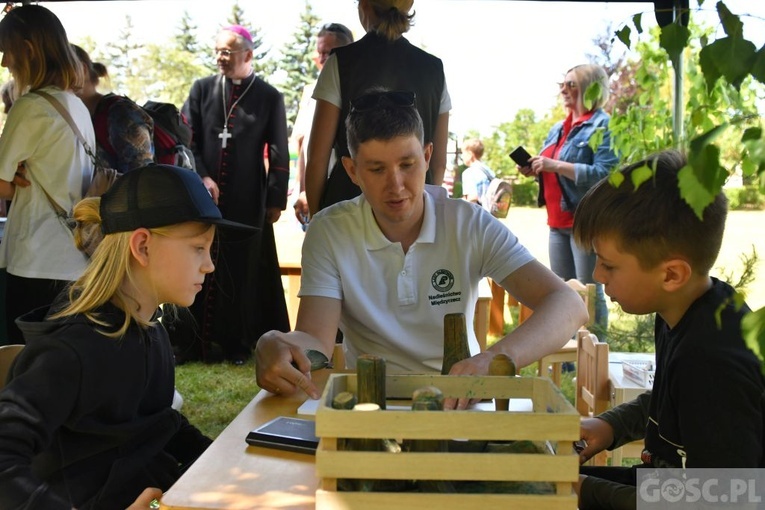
(455, 341)
(370, 373)
(502, 364)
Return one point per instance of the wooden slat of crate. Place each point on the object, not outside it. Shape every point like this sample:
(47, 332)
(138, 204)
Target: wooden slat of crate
(417, 501)
(453, 466)
(448, 425)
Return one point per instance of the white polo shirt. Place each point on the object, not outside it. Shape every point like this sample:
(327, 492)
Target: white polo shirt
(393, 304)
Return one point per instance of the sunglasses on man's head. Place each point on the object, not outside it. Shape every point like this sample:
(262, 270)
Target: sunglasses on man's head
(395, 98)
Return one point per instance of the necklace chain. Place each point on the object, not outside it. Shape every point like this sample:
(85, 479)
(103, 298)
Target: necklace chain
(223, 99)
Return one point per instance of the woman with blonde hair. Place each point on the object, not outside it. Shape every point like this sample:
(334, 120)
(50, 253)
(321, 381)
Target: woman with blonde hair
(86, 417)
(567, 166)
(382, 58)
(41, 161)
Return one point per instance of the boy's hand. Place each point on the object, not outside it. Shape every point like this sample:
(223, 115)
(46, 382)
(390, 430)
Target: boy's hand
(597, 435)
(282, 368)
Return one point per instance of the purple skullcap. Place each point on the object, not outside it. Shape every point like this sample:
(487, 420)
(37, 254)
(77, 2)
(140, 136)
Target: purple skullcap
(240, 30)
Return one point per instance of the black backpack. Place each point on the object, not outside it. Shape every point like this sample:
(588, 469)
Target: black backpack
(172, 134)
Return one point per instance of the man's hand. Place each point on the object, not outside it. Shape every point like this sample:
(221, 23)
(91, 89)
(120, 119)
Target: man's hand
(281, 367)
(212, 187)
(144, 501)
(597, 435)
(476, 365)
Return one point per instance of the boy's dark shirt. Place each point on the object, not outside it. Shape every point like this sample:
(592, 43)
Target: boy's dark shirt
(707, 398)
(706, 403)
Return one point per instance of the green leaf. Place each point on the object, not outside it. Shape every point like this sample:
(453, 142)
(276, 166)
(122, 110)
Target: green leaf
(698, 143)
(624, 35)
(755, 147)
(706, 166)
(637, 20)
(758, 65)
(592, 94)
(640, 175)
(752, 133)
(616, 179)
(733, 58)
(731, 23)
(748, 167)
(693, 192)
(674, 39)
(753, 331)
(709, 68)
(597, 138)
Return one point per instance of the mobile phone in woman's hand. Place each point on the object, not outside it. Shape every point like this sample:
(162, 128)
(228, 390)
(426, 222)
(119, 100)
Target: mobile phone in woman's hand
(520, 156)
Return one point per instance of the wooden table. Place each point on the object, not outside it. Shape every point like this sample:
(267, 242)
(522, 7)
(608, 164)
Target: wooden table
(623, 390)
(233, 475)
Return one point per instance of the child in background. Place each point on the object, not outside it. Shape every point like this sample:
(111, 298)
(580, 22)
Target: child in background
(654, 255)
(86, 418)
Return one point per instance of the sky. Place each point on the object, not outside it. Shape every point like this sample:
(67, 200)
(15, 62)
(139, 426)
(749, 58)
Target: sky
(499, 56)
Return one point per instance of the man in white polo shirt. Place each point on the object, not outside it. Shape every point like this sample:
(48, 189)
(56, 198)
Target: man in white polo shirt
(388, 265)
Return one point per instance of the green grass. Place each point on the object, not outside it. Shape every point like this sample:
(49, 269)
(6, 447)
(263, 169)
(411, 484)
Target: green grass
(214, 394)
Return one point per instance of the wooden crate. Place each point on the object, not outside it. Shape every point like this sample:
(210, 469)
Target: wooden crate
(553, 419)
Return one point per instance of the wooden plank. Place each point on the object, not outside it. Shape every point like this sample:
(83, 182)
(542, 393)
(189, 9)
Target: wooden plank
(448, 466)
(448, 425)
(417, 501)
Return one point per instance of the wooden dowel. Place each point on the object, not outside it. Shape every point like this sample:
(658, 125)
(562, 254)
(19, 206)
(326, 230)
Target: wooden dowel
(502, 365)
(455, 341)
(370, 374)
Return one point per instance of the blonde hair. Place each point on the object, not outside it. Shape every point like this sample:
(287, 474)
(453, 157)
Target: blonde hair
(392, 22)
(586, 75)
(474, 146)
(51, 59)
(109, 268)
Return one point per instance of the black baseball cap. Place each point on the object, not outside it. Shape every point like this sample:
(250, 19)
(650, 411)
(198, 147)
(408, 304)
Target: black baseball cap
(158, 196)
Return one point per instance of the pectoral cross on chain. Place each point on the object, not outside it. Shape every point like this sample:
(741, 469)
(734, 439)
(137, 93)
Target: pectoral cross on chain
(224, 136)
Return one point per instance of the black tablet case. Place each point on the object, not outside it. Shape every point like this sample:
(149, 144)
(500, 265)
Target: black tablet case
(286, 433)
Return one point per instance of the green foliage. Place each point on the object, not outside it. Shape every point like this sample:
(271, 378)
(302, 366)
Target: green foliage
(525, 191)
(297, 62)
(721, 92)
(724, 129)
(746, 198)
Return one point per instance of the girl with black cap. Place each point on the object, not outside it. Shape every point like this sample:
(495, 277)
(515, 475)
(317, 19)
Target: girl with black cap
(86, 418)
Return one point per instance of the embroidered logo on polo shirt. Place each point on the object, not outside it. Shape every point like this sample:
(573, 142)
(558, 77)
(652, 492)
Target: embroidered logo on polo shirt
(443, 281)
